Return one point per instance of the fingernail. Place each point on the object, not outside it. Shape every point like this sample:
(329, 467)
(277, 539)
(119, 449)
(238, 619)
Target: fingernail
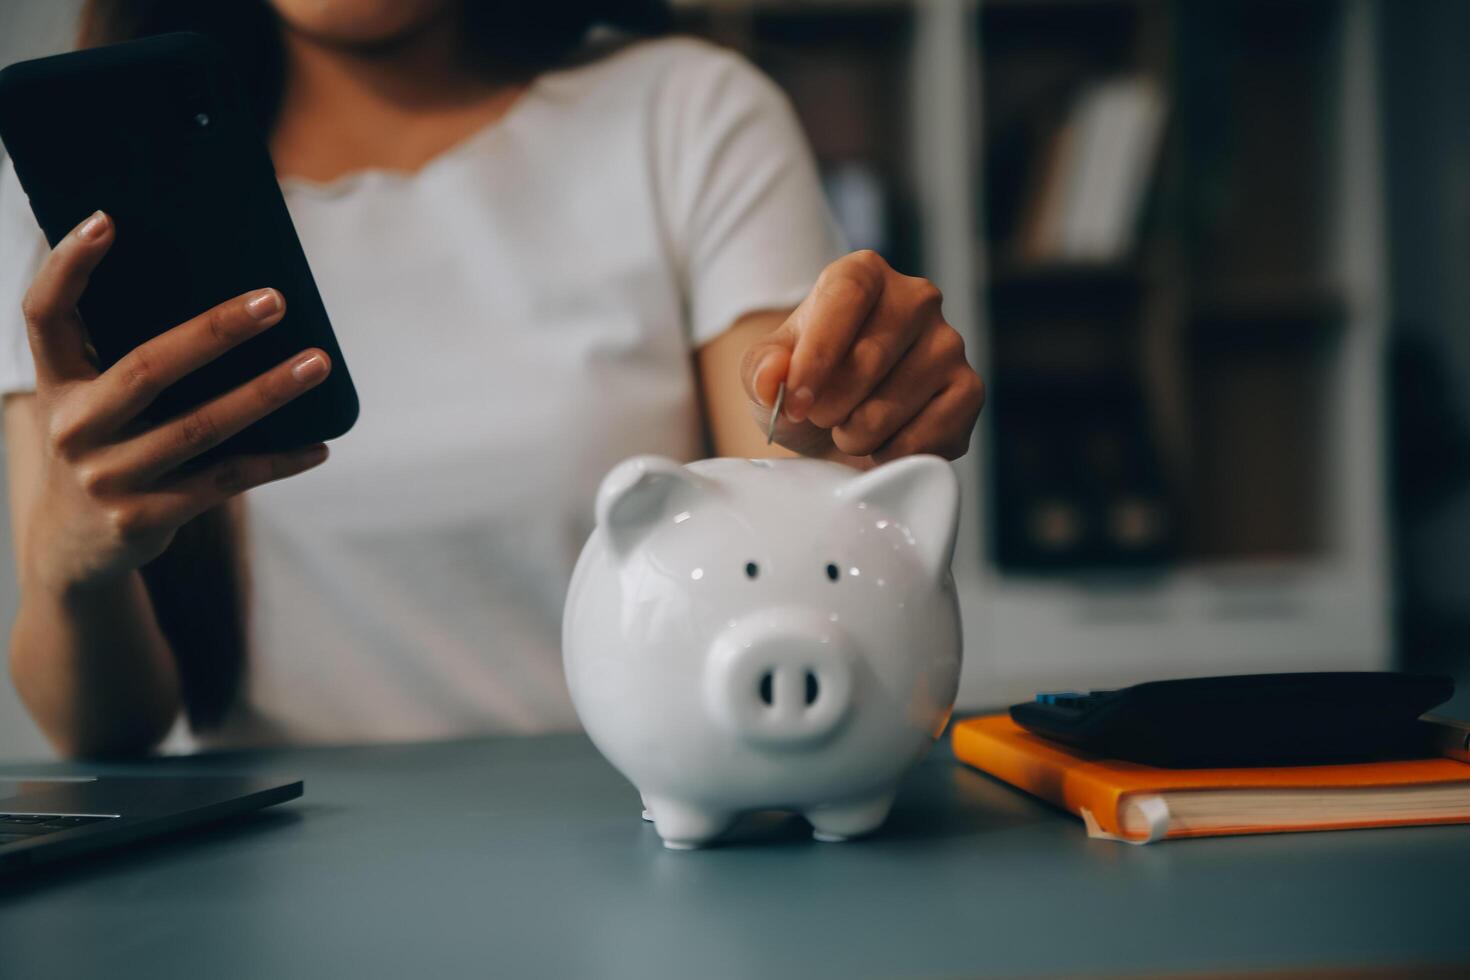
(312, 367)
(263, 304)
(93, 227)
(798, 403)
(312, 455)
(760, 370)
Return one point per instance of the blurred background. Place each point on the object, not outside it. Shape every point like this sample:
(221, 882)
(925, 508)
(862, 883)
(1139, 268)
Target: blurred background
(1211, 257)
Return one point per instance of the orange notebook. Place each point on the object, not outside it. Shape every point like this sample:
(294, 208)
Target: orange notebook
(1124, 801)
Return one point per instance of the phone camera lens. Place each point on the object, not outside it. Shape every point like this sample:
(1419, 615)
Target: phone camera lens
(201, 120)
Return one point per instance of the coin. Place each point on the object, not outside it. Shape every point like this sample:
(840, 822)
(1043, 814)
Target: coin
(775, 413)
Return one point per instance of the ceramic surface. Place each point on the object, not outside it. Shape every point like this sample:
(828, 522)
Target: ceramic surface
(766, 634)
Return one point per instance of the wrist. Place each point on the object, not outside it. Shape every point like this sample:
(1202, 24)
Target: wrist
(48, 568)
(67, 589)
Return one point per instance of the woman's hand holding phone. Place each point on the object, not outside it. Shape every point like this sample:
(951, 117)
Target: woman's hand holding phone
(115, 489)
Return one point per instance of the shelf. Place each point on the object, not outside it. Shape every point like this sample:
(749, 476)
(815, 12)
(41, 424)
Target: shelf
(828, 19)
(1235, 308)
(1108, 296)
(828, 7)
(793, 7)
(1042, 7)
(1064, 274)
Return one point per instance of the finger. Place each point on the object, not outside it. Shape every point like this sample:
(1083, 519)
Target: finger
(187, 498)
(766, 364)
(907, 306)
(129, 386)
(826, 324)
(57, 336)
(926, 367)
(149, 456)
(944, 425)
(896, 402)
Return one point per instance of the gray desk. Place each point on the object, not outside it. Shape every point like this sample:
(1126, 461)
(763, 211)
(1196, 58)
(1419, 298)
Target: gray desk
(527, 858)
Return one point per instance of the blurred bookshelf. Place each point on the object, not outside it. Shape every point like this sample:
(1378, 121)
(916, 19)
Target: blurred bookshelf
(1160, 225)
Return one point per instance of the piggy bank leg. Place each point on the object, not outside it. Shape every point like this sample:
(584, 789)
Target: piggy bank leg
(646, 815)
(842, 821)
(683, 826)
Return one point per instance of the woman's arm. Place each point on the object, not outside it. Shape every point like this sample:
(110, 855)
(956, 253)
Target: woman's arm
(872, 370)
(89, 662)
(96, 494)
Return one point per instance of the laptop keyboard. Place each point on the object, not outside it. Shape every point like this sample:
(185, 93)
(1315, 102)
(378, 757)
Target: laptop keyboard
(15, 827)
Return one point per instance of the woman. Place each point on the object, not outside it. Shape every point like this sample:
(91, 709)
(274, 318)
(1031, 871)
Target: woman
(540, 258)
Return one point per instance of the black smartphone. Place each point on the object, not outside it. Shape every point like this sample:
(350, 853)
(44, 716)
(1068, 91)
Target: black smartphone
(1247, 719)
(158, 134)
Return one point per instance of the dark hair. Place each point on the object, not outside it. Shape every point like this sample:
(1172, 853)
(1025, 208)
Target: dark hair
(198, 587)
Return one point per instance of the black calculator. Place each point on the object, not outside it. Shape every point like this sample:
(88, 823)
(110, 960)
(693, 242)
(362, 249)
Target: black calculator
(1246, 720)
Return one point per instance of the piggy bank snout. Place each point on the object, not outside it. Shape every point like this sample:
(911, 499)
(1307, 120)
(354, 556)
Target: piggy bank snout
(781, 678)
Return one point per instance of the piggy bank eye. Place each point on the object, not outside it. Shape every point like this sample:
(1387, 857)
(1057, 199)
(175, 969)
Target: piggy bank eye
(752, 569)
(833, 572)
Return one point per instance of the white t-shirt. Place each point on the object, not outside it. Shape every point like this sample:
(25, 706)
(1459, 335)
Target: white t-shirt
(518, 316)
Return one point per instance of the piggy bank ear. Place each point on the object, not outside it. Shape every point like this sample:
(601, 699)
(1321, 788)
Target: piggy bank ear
(639, 493)
(923, 494)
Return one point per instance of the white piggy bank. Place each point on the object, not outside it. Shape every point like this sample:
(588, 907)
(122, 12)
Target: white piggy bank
(749, 634)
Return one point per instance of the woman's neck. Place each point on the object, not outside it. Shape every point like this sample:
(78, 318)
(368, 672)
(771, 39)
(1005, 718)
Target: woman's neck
(392, 107)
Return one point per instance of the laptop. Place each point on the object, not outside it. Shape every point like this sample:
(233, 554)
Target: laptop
(47, 818)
